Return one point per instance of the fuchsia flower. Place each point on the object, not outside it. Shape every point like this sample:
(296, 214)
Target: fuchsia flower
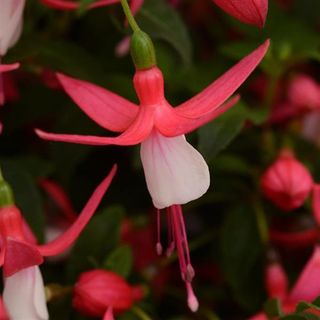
(287, 182)
(306, 288)
(20, 255)
(248, 11)
(100, 292)
(175, 172)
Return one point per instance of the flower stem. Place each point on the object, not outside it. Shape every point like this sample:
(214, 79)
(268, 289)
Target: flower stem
(131, 20)
(140, 313)
(261, 223)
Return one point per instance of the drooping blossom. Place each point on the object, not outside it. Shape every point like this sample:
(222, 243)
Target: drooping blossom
(20, 254)
(248, 11)
(100, 292)
(175, 172)
(306, 288)
(11, 19)
(287, 182)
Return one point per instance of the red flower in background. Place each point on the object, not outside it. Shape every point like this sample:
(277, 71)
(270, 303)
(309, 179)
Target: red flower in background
(287, 182)
(100, 292)
(248, 11)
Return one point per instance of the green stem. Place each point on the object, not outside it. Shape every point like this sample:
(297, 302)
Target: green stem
(209, 314)
(140, 313)
(261, 223)
(127, 11)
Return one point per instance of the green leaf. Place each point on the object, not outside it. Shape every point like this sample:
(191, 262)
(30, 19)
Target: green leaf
(273, 308)
(316, 302)
(241, 249)
(99, 237)
(161, 21)
(120, 261)
(216, 135)
(306, 305)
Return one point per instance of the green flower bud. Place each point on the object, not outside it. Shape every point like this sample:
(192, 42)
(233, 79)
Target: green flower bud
(142, 51)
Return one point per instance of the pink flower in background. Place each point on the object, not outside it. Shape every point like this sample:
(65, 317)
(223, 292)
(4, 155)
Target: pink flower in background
(248, 11)
(306, 288)
(175, 172)
(11, 19)
(100, 292)
(74, 4)
(20, 255)
(287, 182)
(304, 92)
(5, 68)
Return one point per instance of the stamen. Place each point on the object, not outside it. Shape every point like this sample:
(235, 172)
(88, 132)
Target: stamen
(158, 245)
(192, 299)
(171, 246)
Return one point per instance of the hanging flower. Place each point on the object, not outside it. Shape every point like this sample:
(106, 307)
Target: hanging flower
(20, 255)
(287, 182)
(98, 292)
(11, 16)
(248, 11)
(175, 172)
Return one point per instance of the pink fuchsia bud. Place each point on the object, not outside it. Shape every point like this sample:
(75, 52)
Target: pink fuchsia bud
(276, 281)
(248, 11)
(10, 23)
(287, 182)
(98, 290)
(304, 92)
(24, 295)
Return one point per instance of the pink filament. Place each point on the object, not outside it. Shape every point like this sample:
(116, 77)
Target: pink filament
(177, 237)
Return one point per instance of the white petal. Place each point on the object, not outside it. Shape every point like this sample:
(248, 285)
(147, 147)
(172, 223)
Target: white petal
(24, 295)
(175, 172)
(10, 23)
